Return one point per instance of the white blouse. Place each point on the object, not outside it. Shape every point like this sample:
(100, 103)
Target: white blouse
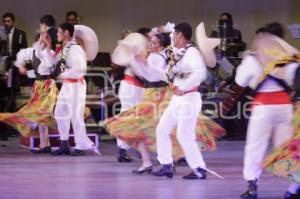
(154, 69)
(45, 56)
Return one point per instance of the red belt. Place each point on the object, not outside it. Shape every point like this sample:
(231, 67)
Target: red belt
(191, 91)
(186, 92)
(263, 98)
(71, 80)
(133, 80)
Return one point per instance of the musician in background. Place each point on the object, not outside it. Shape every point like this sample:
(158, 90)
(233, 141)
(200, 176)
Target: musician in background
(15, 41)
(223, 75)
(231, 39)
(72, 17)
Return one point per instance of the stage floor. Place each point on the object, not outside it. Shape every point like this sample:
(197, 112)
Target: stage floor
(27, 176)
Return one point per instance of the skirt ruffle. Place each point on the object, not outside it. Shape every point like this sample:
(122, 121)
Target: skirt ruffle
(285, 160)
(39, 109)
(139, 123)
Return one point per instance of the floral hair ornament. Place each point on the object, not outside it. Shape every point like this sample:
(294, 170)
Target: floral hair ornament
(167, 28)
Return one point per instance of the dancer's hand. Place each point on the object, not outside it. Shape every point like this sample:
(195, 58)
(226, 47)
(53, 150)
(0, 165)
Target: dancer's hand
(141, 57)
(22, 70)
(41, 40)
(177, 91)
(47, 40)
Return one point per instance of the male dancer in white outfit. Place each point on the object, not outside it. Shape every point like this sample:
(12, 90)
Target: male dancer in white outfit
(72, 96)
(272, 110)
(186, 74)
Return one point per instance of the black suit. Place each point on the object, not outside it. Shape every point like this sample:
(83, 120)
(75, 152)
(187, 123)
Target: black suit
(19, 41)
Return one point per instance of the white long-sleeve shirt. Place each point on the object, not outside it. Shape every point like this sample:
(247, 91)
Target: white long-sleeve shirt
(154, 69)
(250, 70)
(44, 55)
(192, 64)
(76, 61)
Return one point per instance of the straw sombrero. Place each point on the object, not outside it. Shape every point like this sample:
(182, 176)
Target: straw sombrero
(206, 45)
(87, 38)
(126, 48)
(271, 50)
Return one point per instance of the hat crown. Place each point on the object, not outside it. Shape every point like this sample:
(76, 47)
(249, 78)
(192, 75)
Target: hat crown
(126, 48)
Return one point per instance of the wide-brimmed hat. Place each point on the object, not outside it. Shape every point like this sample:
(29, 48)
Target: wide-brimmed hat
(270, 48)
(270, 51)
(87, 38)
(206, 45)
(127, 47)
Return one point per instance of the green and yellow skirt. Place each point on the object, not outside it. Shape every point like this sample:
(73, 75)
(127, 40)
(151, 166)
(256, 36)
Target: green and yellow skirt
(139, 123)
(285, 160)
(39, 108)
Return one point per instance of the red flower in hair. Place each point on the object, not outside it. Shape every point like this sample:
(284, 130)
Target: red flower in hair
(58, 48)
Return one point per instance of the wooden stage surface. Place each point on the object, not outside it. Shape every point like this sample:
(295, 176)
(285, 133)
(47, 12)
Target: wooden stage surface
(27, 176)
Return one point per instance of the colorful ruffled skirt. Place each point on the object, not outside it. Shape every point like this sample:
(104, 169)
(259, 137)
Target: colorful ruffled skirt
(285, 160)
(139, 123)
(39, 109)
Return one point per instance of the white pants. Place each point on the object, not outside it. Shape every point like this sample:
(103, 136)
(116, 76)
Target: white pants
(129, 95)
(266, 122)
(182, 113)
(70, 109)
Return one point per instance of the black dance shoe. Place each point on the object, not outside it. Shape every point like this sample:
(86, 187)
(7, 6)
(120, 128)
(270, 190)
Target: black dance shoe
(166, 170)
(198, 173)
(143, 170)
(78, 152)
(251, 193)
(63, 149)
(123, 156)
(181, 162)
(289, 195)
(44, 150)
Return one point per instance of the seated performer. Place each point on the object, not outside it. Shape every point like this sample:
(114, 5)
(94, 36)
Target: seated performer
(231, 38)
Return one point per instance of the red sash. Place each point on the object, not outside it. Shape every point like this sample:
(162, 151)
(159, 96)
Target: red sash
(134, 81)
(264, 98)
(71, 80)
(186, 92)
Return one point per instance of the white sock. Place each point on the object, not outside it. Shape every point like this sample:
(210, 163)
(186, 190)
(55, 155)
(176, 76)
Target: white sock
(293, 188)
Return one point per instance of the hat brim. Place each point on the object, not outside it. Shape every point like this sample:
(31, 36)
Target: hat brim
(126, 48)
(89, 39)
(206, 46)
